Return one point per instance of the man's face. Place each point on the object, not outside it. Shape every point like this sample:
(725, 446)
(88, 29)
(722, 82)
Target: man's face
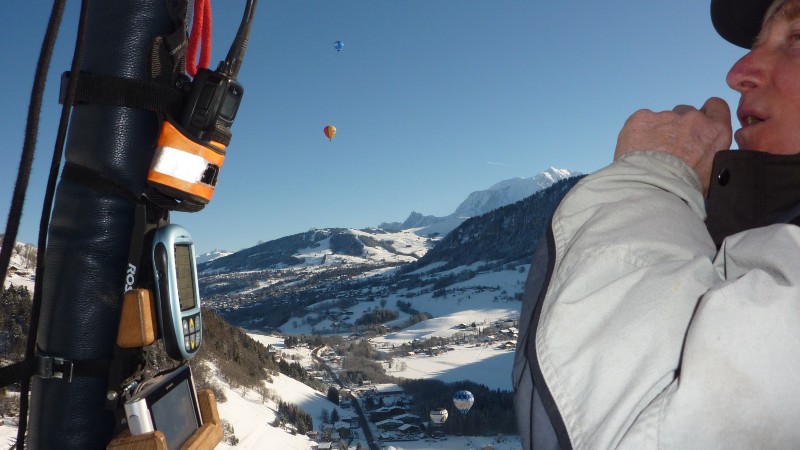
(768, 79)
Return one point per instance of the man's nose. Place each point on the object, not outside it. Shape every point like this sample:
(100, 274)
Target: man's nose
(748, 72)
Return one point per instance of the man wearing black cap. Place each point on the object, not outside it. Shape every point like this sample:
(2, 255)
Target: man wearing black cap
(670, 313)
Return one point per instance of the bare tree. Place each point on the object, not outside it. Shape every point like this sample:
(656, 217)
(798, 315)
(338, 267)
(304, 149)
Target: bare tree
(28, 255)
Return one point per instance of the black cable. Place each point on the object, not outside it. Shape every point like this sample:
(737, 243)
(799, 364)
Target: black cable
(233, 62)
(24, 172)
(29, 146)
(58, 150)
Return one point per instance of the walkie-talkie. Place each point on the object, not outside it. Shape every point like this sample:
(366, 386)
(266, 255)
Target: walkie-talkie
(212, 103)
(191, 147)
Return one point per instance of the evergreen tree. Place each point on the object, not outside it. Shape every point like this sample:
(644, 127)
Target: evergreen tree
(15, 319)
(290, 341)
(333, 395)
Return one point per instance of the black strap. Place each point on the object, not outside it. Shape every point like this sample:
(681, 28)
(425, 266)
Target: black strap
(15, 372)
(96, 180)
(128, 363)
(53, 367)
(168, 203)
(116, 91)
(168, 53)
(221, 134)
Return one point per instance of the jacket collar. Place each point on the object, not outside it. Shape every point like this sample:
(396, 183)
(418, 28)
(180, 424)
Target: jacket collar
(751, 189)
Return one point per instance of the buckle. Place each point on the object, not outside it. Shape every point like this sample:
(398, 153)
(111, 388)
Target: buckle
(54, 367)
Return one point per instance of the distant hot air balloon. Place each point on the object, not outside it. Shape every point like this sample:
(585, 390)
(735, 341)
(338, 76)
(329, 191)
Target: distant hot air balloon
(463, 401)
(330, 131)
(438, 416)
(338, 45)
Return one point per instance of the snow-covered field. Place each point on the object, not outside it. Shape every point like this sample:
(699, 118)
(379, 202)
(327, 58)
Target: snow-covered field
(251, 417)
(299, 354)
(459, 442)
(482, 364)
(482, 299)
(21, 279)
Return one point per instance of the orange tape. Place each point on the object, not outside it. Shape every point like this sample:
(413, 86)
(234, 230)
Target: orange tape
(199, 190)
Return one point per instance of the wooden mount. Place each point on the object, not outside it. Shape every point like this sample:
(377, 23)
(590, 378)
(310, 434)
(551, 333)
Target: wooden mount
(205, 438)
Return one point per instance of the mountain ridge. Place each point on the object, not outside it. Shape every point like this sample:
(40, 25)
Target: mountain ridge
(481, 202)
(330, 280)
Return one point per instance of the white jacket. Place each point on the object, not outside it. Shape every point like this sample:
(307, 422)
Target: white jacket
(651, 338)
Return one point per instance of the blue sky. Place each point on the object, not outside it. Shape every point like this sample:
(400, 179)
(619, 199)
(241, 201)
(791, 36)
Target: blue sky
(432, 99)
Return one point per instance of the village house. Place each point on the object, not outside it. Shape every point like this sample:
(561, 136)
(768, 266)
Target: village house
(343, 428)
(386, 389)
(385, 413)
(410, 428)
(408, 418)
(389, 424)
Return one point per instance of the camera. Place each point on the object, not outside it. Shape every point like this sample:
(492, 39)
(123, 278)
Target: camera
(166, 403)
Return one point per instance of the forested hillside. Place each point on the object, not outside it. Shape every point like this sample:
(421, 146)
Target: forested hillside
(504, 235)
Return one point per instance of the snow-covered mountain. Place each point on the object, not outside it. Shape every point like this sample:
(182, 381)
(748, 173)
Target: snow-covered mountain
(509, 191)
(212, 255)
(503, 193)
(300, 283)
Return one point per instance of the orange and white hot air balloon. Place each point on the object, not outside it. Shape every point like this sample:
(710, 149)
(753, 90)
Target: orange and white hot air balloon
(330, 131)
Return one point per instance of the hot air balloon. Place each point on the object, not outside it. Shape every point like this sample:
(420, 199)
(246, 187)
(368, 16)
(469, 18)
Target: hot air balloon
(338, 45)
(463, 401)
(438, 418)
(438, 415)
(330, 131)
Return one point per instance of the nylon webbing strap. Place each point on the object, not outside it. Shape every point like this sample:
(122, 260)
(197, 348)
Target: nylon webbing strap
(128, 362)
(15, 372)
(127, 92)
(96, 180)
(53, 367)
(221, 134)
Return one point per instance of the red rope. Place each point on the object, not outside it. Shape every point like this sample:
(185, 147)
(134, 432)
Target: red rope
(201, 33)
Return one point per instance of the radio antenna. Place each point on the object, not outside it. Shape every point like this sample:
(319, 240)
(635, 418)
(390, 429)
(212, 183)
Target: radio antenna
(233, 62)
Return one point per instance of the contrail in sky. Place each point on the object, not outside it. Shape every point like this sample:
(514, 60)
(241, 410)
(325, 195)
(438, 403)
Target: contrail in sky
(497, 163)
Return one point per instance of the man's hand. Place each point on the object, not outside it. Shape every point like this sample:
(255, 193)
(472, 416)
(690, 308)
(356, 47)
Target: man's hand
(685, 132)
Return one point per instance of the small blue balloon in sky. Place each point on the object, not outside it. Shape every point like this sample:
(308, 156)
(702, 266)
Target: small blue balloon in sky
(338, 45)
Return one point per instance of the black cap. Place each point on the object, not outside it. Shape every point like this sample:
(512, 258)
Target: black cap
(739, 21)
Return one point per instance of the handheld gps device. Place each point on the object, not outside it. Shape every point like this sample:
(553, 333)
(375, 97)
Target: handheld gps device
(166, 403)
(177, 293)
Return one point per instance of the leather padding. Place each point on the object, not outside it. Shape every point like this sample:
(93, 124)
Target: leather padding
(90, 230)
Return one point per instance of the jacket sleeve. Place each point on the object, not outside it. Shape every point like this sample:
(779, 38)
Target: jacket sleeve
(647, 337)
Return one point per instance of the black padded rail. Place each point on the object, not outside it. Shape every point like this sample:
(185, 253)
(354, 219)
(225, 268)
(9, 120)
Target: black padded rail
(90, 229)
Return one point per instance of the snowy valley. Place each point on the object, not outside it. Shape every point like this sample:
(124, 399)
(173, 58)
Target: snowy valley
(438, 301)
